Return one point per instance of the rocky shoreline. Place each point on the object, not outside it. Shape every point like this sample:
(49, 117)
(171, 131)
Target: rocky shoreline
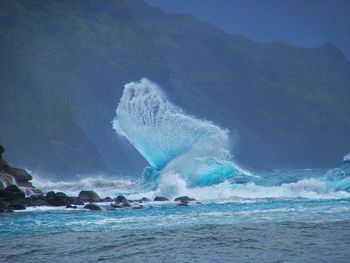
(18, 193)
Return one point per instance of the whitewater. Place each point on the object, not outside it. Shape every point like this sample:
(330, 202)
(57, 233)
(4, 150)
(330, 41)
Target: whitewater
(190, 156)
(239, 216)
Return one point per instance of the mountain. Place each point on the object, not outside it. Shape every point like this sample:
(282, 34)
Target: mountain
(39, 129)
(301, 23)
(64, 64)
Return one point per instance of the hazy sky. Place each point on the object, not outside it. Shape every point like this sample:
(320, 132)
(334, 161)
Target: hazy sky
(305, 23)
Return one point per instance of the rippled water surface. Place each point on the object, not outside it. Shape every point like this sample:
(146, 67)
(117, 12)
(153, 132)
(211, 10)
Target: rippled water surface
(232, 231)
(291, 216)
(247, 242)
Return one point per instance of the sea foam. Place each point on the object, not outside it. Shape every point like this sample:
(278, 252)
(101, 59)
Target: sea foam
(172, 141)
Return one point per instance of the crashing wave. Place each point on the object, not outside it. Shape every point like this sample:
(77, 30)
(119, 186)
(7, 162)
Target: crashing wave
(171, 140)
(190, 156)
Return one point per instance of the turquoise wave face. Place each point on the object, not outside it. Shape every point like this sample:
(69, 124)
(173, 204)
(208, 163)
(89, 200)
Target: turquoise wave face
(191, 151)
(281, 196)
(171, 140)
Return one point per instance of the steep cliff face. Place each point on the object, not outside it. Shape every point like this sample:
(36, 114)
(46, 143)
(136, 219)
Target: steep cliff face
(38, 128)
(63, 65)
(289, 105)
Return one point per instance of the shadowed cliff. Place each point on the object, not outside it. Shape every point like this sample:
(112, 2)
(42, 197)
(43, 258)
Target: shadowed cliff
(64, 64)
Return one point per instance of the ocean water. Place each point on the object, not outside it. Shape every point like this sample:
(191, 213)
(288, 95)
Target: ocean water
(280, 216)
(284, 216)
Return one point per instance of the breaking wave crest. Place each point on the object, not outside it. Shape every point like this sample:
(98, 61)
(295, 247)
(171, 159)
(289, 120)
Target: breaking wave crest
(171, 140)
(190, 156)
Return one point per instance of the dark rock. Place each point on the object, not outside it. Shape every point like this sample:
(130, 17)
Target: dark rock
(126, 204)
(114, 205)
(9, 210)
(92, 207)
(12, 192)
(36, 201)
(4, 205)
(60, 199)
(144, 199)
(78, 201)
(161, 198)
(21, 175)
(106, 199)
(50, 194)
(120, 204)
(5, 178)
(56, 201)
(61, 194)
(183, 203)
(11, 175)
(138, 207)
(71, 206)
(89, 196)
(2, 149)
(17, 207)
(30, 191)
(120, 199)
(2, 210)
(184, 199)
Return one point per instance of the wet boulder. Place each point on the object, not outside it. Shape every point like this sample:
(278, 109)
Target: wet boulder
(4, 205)
(89, 196)
(8, 210)
(122, 204)
(78, 201)
(2, 150)
(184, 199)
(59, 199)
(144, 200)
(92, 207)
(61, 194)
(36, 201)
(161, 198)
(71, 206)
(106, 199)
(120, 199)
(17, 206)
(50, 194)
(12, 192)
(21, 175)
(183, 203)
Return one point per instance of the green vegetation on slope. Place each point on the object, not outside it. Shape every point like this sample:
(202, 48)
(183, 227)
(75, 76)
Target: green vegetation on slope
(64, 64)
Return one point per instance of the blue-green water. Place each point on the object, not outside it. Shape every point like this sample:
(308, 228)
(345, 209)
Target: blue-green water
(43, 221)
(304, 219)
(235, 231)
(283, 216)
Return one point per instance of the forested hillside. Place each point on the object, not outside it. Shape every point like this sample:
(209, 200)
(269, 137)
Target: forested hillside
(64, 64)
